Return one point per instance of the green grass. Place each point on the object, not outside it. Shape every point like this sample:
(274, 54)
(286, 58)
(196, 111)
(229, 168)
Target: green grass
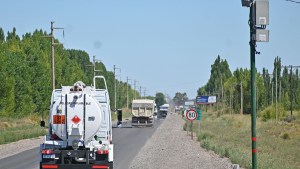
(278, 143)
(12, 130)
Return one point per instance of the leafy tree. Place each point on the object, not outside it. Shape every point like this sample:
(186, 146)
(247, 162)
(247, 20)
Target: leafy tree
(2, 36)
(160, 99)
(180, 98)
(25, 73)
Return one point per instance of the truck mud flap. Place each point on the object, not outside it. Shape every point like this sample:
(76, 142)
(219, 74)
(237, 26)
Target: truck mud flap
(74, 166)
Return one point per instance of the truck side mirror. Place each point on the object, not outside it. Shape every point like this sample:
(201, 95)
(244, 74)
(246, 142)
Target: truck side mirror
(42, 123)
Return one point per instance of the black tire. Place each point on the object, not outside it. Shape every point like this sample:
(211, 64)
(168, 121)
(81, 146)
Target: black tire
(111, 165)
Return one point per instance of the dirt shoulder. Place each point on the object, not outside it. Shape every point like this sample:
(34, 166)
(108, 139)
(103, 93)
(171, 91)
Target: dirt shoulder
(170, 147)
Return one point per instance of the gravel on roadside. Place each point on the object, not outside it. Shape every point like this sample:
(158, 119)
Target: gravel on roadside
(170, 147)
(11, 149)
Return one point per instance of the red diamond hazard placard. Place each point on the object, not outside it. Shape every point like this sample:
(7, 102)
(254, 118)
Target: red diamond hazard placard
(75, 119)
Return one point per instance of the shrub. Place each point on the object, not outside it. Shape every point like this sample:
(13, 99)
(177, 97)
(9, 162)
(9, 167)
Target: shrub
(285, 136)
(205, 135)
(219, 114)
(205, 144)
(268, 113)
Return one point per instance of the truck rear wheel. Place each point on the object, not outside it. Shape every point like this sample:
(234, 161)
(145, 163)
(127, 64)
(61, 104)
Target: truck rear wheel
(111, 165)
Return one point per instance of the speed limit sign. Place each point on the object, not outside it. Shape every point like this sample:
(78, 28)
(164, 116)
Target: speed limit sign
(191, 115)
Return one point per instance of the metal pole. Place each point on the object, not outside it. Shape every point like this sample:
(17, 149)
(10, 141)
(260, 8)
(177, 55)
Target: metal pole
(272, 91)
(94, 63)
(145, 92)
(256, 98)
(192, 129)
(115, 108)
(116, 85)
(52, 56)
(140, 91)
(241, 98)
(127, 93)
(52, 53)
(276, 93)
(291, 89)
(280, 91)
(253, 84)
(134, 88)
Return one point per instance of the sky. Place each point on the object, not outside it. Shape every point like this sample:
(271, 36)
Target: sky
(166, 45)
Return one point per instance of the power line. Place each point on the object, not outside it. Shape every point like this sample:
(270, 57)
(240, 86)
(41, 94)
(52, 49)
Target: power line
(298, 2)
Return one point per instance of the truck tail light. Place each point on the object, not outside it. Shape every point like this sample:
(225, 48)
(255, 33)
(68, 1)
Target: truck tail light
(100, 166)
(49, 151)
(49, 166)
(100, 152)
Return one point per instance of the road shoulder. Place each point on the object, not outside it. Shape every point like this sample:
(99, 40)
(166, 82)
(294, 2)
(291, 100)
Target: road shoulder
(170, 147)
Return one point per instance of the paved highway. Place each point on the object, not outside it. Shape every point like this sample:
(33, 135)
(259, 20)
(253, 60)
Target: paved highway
(127, 143)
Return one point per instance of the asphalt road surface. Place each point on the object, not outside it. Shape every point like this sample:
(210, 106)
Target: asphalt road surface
(127, 143)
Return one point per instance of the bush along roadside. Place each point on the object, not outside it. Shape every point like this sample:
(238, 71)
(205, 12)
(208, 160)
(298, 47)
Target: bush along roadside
(15, 129)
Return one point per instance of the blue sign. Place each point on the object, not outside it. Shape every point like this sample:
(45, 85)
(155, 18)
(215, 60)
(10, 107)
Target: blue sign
(206, 99)
(202, 100)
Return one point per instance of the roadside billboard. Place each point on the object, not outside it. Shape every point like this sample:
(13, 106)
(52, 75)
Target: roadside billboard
(189, 103)
(206, 99)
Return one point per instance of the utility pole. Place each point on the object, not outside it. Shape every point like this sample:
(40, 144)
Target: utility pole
(127, 80)
(280, 91)
(135, 83)
(222, 95)
(115, 85)
(241, 98)
(258, 19)
(272, 86)
(276, 112)
(52, 52)
(140, 91)
(94, 65)
(291, 89)
(145, 92)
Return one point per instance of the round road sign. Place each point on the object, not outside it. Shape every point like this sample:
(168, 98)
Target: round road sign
(191, 115)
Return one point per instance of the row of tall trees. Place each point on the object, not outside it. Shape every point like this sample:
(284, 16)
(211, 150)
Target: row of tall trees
(25, 73)
(233, 90)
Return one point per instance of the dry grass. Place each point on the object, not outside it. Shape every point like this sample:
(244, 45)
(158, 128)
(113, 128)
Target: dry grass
(278, 143)
(17, 129)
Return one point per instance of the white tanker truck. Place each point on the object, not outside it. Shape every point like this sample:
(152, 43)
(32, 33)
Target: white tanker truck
(80, 129)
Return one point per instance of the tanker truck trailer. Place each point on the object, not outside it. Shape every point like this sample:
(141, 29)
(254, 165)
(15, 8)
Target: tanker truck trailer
(80, 129)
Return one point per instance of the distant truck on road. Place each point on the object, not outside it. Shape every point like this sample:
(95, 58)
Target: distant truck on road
(163, 110)
(142, 112)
